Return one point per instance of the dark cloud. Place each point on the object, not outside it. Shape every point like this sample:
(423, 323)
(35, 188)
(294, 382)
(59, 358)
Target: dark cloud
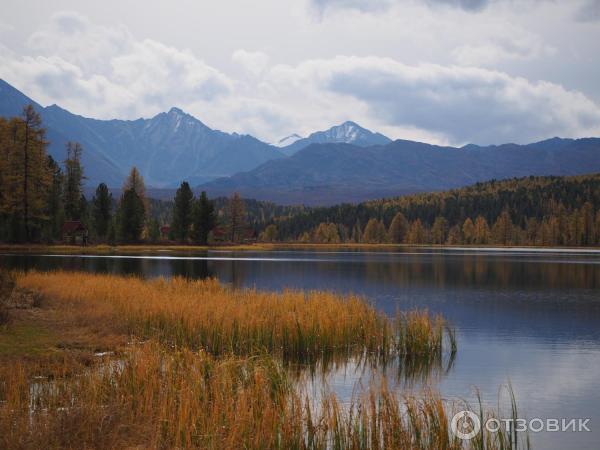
(590, 11)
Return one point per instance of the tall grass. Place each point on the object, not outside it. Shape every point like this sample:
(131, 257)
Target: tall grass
(204, 314)
(156, 398)
(6, 288)
(214, 374)
(378, 419)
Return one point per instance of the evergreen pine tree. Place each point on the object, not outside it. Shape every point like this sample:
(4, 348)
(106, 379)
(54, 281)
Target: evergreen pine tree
(54, 204)
(356, 232)
(182, 212)
(102, 206)
(153, 231)
(131, 216)
(73, 182)
(204, 219)
(587, 224)
(237, 218)
(111, 237)
(135, 181)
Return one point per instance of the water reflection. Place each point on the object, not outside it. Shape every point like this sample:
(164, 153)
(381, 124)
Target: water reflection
(400, 371)
(531, 318)
(445, 270)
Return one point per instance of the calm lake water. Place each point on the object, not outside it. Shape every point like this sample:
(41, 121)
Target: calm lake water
(531, 318)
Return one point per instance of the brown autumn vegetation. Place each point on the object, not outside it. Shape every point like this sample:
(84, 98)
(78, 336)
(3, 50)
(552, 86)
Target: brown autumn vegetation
(195, 364)
(204, 314)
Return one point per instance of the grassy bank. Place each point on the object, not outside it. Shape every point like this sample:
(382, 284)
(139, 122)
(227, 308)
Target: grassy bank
(103, 249)
(194, 364)
(204, 314)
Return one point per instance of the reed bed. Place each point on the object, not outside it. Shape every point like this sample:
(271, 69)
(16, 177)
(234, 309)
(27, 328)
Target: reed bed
(157, 398)
(154, 398)
(204, 314)
(208, 368)
(6, 287)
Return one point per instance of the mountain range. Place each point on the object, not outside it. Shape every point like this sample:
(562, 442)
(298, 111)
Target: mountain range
(167, 148)
(346, 163)
(325, 174)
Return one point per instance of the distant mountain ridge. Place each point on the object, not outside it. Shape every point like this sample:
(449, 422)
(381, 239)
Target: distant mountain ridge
(167, 148)
(326, 174)
(345, 163)
(347, 133)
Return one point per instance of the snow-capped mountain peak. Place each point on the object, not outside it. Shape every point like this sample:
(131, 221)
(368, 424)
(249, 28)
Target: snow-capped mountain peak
(346, 133)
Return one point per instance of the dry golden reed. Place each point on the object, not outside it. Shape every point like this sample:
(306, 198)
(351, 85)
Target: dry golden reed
(156, 398)
(204, 314)
(189, 386)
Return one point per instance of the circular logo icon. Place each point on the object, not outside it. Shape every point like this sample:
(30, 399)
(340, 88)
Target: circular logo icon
(465, 425)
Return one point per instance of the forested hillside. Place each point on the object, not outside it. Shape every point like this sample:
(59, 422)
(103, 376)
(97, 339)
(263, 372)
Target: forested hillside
(258, 213)
(531, 211)
(40, 199)
(330, 174)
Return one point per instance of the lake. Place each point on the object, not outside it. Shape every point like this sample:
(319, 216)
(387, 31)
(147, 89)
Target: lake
(524, 316)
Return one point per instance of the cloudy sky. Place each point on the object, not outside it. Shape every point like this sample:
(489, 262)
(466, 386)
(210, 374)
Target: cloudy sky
(441, 71)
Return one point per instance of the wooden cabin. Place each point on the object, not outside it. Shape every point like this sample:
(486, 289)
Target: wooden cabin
(74, 232)
(164, 232)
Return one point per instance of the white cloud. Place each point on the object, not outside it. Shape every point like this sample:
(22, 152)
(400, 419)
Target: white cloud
(253, 62)
(75, 38)
(105, 72)
(589, 11)
(162, 75)
(513, 45)
(359, 5)
(463, 103)
(6, 28)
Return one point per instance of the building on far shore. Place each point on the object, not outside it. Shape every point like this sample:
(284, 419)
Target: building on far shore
(164, 232)
(74, 232)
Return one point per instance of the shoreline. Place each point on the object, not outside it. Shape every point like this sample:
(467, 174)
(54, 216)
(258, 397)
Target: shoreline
(60, 249)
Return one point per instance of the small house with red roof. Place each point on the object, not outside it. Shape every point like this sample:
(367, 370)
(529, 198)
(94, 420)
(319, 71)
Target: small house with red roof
(164, 232)
(74, 232)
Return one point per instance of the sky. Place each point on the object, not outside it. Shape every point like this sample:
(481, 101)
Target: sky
(447, 72)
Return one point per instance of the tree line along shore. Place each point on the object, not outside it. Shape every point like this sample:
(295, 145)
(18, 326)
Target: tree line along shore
(42, 201)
